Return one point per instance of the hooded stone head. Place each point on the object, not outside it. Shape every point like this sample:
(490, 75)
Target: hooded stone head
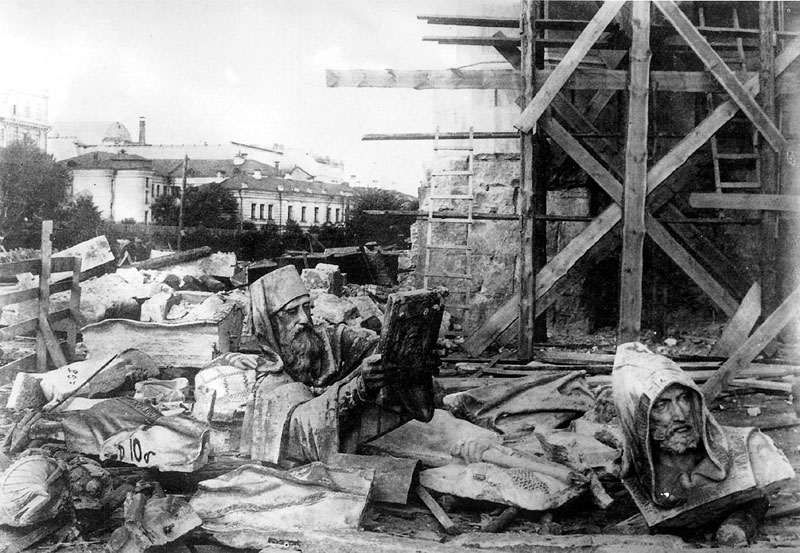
(270, 294)
(639, 379)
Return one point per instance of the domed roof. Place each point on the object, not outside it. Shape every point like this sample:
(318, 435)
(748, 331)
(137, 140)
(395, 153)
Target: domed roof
(92, 132)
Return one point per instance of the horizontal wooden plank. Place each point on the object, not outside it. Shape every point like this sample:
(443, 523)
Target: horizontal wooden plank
(18, 296)
(25, 364)
(471, 21)
(11, 331)
(761, 202)
(507, 79)
(58, 265)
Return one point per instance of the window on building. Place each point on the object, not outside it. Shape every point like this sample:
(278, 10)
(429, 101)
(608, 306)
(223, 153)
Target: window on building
(303, 214)
(328, 215)
(252, 211)
(289, 212)
(316, 215)
(158, 190)
(269, 212)
(146, 196)
(146, 216)
(337, 215)
(261, 211)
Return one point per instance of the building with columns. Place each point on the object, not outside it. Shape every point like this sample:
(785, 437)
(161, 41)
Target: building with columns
(23, 116)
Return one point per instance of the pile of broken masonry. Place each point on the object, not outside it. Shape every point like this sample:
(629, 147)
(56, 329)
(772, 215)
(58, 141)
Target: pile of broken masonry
(170, 476)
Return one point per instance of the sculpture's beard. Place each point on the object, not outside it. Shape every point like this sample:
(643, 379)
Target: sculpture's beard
(303, 353)
(677, 437)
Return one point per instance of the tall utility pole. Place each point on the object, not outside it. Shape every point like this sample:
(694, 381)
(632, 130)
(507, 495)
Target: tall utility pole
(183, 196)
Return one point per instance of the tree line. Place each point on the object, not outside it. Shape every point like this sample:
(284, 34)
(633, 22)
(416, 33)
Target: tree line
(34, 187)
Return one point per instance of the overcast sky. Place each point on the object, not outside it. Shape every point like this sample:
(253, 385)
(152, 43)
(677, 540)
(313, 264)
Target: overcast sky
(250, 71)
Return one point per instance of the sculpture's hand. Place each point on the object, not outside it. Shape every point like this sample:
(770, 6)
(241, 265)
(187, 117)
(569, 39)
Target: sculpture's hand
(373, 375)
(471, 449)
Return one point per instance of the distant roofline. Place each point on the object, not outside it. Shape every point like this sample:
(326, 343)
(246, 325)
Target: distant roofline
(257, 147)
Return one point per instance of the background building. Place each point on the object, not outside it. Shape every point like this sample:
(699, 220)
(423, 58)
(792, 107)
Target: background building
(23, 115)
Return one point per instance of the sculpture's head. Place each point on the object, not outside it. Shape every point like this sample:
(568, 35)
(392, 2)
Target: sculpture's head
(673, 426)
(281, 311)
(661, 409)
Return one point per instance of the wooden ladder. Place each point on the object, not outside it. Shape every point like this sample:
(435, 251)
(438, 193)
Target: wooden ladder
(433, 249)
(731, 166)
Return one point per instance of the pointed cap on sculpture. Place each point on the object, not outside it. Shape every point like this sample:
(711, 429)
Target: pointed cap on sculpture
(280, 287)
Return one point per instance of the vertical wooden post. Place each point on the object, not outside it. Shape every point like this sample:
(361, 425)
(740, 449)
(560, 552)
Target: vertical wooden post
(769, 262)
(635, 191)
(527, 288)
(44, 295)
(183, 198)
(75, 308)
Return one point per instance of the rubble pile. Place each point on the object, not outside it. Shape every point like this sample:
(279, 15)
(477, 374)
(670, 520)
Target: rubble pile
(136, 445)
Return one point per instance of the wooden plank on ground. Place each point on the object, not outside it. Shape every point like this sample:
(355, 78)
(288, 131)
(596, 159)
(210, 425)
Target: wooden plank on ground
(635, 185)
(568, 64)
(436, 510)
(75, 307)
(739, 326)
(760, 202)
(51, 342)
(724, 75)
(748, 351)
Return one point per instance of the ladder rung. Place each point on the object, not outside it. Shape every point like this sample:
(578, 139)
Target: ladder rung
(740, 184)
(737, 156)
(452, 173)
(463, 221)
(448, 275)
(452, 197)
(449, 247)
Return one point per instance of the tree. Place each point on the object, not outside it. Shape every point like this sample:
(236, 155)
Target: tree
(209, 205)
(384, 229)
(77, 220)
(32, 186)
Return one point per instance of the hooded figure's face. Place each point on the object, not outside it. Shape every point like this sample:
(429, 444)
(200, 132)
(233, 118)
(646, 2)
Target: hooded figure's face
(301, 347)
(672, 420)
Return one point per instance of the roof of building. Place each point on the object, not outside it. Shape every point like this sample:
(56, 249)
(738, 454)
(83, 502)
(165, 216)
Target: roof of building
(105, 160)
(276, 148)
(199, 168)
(91, 132)
(276, 184)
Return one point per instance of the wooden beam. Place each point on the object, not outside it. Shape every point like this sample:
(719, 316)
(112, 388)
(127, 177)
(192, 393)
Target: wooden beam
(658, 174)
(75, 307)
(770, 246)
(689, 265)
(724, 75)
(471, 21)
(764, 334)
(739, 326)
(635, 186)
(444, 136)
(510, 52)
(44, 295)
(528, 255)
(607, 81)
(568, 64)
(501, 79)
(759, 202)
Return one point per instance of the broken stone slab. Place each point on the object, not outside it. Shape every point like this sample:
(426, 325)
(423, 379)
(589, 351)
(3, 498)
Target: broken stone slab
(94, 253)
(393, 476)
(324, 277)
(26, 392)
(313, 497)
(82, 378)
(333, 309)
(517, 487)
(578, 451)
(430, 442)
(152, 522)
(200, 261)
(156, 308)
(370, 313)
(193, 343)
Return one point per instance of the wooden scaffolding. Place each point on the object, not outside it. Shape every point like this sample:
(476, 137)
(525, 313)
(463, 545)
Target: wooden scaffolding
(548, 66)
